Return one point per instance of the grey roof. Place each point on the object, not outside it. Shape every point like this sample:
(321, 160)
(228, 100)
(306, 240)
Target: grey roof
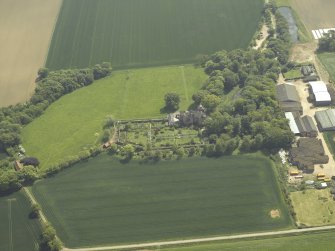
(326, 118)
(287, 93)
(306, 124)
(291, 106)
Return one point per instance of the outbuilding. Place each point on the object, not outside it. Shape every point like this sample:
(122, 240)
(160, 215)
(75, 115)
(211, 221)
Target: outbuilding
(291, 122)
(288, 98)
(326, 119)
(319, 93)
(301, 126)
(306, 126)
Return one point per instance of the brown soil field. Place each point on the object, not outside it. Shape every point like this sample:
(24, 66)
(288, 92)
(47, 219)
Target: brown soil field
(26, 28)
(315, 14)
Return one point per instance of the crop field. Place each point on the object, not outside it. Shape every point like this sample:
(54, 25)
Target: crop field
(137, 33)
(74, 123)
(105, 202)
(315, 14)
(328, 60)
(25, 34)
(306, 242)
(17, 231)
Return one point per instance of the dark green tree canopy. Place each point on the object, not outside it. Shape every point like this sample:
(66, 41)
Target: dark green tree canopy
(172, 101)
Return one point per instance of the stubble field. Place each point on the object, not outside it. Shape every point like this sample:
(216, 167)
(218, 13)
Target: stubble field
(103, 202)
(315, 14)
(25, 33)
(137, 33)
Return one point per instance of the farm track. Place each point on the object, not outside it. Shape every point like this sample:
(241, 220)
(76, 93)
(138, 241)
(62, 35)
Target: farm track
(33, 200)
(198, 240)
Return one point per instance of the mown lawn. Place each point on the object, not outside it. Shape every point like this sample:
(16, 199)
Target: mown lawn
(305, 242)
(17, 231)
(314, 207)
(74, 123)
(137, 33)
(104, 202)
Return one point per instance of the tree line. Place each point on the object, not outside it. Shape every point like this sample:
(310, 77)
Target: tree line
(50, 86)
(252, 120)
(327, 42)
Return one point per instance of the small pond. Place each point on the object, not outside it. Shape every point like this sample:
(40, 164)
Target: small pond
(293, 29)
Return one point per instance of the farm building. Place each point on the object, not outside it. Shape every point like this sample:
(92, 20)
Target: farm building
(173, 118)
(319, 93)
(288, 98)
(302, 126)
(306, 70)
(309, 152)
(187, 118)
(326, 120)
(293, 125)
(311, 78)
(306, 126)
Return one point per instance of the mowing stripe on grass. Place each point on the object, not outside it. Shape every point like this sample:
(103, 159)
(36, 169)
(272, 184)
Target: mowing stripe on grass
(184, 83)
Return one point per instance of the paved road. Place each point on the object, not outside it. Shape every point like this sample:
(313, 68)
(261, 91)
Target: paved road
(189, 241)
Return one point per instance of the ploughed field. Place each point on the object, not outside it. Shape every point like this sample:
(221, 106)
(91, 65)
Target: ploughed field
(17, 231)
(137, 33)
(102, 201)
(74, 123)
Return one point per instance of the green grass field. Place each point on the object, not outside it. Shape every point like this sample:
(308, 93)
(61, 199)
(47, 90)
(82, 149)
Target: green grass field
(306, 242)
(73, 123)
(314, 207)
(137, 33)
(329, 138)
(17, 231)
(104, 202)
(328, 60)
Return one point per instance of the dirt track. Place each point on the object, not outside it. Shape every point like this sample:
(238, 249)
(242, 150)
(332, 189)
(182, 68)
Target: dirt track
(189, 241)
(26, 28)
